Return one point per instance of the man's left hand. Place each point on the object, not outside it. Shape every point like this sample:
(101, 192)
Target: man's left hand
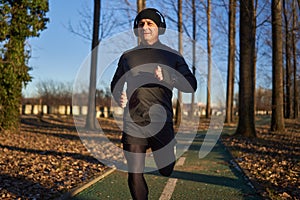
(158, 73)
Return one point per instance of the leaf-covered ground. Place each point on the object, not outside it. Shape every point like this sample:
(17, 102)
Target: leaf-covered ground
(44, 159)
(272, 160)
(47, 158)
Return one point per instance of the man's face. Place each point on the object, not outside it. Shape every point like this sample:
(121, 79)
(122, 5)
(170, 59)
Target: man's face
(148, 31)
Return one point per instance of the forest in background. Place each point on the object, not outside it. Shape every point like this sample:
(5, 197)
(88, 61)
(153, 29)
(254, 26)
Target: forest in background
(45, 157)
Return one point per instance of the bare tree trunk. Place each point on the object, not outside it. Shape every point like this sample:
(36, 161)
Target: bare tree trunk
(141, 4)
(288, 71)
(180, 31)
(194, 55)
(246, 125)
(91, 115)
(209, 54)
(277, 122)
(295, 20)
(254, 56)
(231, 61)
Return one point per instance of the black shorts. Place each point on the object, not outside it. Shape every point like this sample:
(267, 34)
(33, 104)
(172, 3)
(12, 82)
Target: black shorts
(136, 134)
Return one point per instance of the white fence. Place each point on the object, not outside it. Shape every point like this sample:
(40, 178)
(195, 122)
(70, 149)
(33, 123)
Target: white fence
(103, 111)
(29, 109)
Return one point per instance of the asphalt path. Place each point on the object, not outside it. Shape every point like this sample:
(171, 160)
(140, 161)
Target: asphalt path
(215, 176)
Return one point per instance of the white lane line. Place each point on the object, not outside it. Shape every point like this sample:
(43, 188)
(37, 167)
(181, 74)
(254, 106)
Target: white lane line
(180, 161)
(169, 189)
(170, 186)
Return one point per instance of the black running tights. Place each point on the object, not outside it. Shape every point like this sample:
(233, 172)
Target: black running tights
(136, 181)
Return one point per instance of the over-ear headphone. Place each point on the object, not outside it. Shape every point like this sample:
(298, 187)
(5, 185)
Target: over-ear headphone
(161, 25)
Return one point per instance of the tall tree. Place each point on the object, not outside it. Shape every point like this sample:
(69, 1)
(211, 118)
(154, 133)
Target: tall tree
(180, 32)
(288, 67)
(246, 124)
(194, 54)
(294, 31)
(19, 20)
(231, 61)
(141, 4)
(277, 121)
(209, 63)
(91, 115)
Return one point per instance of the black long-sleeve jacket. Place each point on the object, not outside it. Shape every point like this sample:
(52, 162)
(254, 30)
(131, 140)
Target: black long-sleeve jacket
(136, 67)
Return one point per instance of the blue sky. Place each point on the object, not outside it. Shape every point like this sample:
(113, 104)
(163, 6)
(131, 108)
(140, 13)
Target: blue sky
(57, 53)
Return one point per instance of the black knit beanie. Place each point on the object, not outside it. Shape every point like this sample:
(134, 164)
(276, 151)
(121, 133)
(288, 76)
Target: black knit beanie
(149, 13)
